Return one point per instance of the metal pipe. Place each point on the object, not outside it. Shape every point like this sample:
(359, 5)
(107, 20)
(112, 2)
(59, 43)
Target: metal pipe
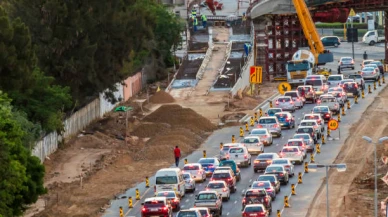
(327, 191)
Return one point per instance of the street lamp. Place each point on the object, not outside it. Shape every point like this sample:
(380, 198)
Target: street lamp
(339, 167)
(381, 140)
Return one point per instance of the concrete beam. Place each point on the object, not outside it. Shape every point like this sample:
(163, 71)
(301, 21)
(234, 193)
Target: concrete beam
(272, 7)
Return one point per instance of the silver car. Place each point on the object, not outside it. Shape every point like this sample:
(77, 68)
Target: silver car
(264, 135)
(334, 80)
(296, 97)
(253, 144)
(346, 62)
(369, 73)
(330, 101)
(316, 117)
(196, 170)
(189, 182)
(285, 103)
(292, 153)
(300, 143)
(341, 97)
(225, 149)
(307, 139)
(272, 124)
(341, 84)
(288, 165)
(240, 155)
(312, 123)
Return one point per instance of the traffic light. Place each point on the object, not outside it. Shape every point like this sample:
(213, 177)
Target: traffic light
(352, 34)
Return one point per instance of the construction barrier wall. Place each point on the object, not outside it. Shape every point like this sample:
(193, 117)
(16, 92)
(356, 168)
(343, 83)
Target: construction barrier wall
(83, 117)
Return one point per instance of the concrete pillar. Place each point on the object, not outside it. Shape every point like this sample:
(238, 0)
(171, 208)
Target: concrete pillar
(380, 21)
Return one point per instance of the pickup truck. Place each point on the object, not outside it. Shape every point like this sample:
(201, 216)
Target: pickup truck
(373, 37)
(233, 166)
(211, 200)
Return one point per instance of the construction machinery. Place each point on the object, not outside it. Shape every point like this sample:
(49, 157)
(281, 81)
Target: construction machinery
(305, 62)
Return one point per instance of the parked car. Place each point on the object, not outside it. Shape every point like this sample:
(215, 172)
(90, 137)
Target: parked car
(264, 135)
(272, 124)
(253, 144)
(286, 119)
(346, 62)
(331, 41)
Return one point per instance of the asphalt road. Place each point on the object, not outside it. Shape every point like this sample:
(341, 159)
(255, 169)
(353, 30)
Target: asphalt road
(233, 207)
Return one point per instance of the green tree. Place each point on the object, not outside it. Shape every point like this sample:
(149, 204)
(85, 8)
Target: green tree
(21, 175)
(32, 91)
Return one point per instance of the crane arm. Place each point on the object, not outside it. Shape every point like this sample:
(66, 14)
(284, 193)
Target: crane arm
(309, 28)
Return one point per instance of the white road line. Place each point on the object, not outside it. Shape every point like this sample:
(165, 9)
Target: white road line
(191, 195)
(187, 200)
(235, 202)
(243, 191)
(183, 206)
(250, 180)
(227, 213)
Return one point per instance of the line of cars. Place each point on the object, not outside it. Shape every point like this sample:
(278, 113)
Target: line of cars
(370, 69)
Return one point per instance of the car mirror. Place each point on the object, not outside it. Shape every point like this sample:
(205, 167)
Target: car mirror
(242, 195)
(142, 204)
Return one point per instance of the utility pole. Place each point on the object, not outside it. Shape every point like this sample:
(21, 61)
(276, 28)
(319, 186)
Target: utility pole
(352, 39)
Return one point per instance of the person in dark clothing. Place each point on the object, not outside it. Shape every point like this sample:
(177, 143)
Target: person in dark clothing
(177, 154)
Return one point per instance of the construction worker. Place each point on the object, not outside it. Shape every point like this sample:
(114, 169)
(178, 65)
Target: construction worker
(195, 24)
(204, 20)
(247, 48)
(193, 12)
(244, 19)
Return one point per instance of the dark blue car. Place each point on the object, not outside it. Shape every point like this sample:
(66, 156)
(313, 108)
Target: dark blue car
(209, 165)
(286, 119)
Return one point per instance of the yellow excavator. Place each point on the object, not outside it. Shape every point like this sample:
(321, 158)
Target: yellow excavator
(306, 62)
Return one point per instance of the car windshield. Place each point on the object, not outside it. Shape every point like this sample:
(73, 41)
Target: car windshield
(291, 94)
(187, 214)
(346, 80)
(368, 69)
(294, 143)
(355, 76)
(302, 137)
(336, 94)
(305, 130)
(290, 150)
(226, 147)
(350, 86)
(207, 196)
(367, 62)
(334, 78)
(267, 121)
(274, 169)
(313, 82)
(273, 111)
(254, 209)
(346, 59)
(166, 194)
(191, 167)
(221, 175)
(298, 66)
(284, 99)
(163, 180)
(206, 160)
(154, 203)
(255, 193)
(261, 185)
(236, 150)
(320, 109)
(327, 99)
(377, 63)
(259, 132)
(227, 164)
(265, 156)
(266, 178)
(304, 88)
(311, 117)
(216, 185)
(307, 123)
(280, 161)
(186, 176)
(251, 140)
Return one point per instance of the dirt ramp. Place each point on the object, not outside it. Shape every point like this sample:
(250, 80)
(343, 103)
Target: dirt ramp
(161, 97)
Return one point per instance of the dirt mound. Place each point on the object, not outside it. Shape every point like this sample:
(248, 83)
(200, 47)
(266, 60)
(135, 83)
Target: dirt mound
(246, 103)
(161, 97)
(176, 115)
(146, 130)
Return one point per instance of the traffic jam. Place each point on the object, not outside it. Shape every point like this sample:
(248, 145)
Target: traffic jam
(298, 119)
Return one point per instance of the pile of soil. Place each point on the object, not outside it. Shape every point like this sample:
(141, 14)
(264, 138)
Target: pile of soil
(161, 97)
(146, 130)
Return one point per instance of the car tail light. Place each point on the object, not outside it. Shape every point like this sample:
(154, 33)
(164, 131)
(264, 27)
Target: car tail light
(287, 119)
(199, 172)
(224, 190)
(287, 166)
(229, 179)
(207, 189)
(155, 189)
(275, 125)
(176, 200)
(327, 115)
(269, 161)
(183, 171)
(277, 102)
(352, 61)
(179, 188)
(144, 209)
(266, 199)
(343, 94)
(212, 179)
(265, 136)
(211, 166)
(256, 161)
(165, 208)
(340, 63)
(259, 126)
(291, 102)
(245, 156)
(281, 174)
(269, 190)
(243, 200)
(244, 214)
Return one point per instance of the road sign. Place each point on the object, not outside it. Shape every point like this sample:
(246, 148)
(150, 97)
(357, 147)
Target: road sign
(283, 87)
(352, 13)
(256, 75)
(332, 124)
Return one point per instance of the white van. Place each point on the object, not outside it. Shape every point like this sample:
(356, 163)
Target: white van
(170, 179)
(318, 82)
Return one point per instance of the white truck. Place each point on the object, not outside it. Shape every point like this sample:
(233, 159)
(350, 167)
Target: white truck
(299, 67)
(373, 37)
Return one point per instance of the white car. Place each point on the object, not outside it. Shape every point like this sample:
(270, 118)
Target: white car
(334, 80)
(313, 123)
(220, 187)
(272, 124)
(298, 99)
(253, 144)
(196, 170)
(293, 153)
(286, 163)
(307, 139)
(225, 149)
(189, 182)
(264, 135)
(240, 155)
(316, 117)
(203, 211)
(285, 103)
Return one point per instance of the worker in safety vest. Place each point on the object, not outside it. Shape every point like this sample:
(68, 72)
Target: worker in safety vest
(193, 12)
(204, 20)
(195, 24)
(244, 19)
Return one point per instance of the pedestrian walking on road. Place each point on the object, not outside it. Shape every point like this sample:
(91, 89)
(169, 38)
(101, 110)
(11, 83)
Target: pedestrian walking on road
(177, 154)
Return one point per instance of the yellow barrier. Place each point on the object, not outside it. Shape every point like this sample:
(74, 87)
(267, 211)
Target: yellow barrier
(286, 204)
(270, 104)
(121, 212)
(241, 132)
(343, 111)
(204, 153)
(369, 89)
(246, 127)
(363, 94)
(300, 181)
(293, 192)
(147, 182)
(348, 104)
(256, 118)
(323, 139)
(312, 158)
(186, 161)
(278, 213)
(374, 85)
(306, 167)
(328, 132)
(233, 139)
(318, 147)
(261, 112)
(339, 117)
(252, 122)
(130, 202)
(221, 145)
(137, 194)
(355, 100)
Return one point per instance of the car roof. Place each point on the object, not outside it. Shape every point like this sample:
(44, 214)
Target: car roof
(267, 175)
(370, 65)
(292, 140)
(222, 171)
(155, 198)
(263, 180)
(233, 144)
(312, 114)
(268, 117)
(166, 192)
(346, 58)
(291, 91)
(199, 208)
(257, 129)
(327, 95)
(309, 120)
(192, 164)
(290, 147)
(367, 67)
(254, 205)
(367, 61)
(283, 113)
(279, 165)
(217, 181)
(321, 106)
(204, 192)
(280, 97)
(336, 75)
(252, 137)
(305, 127)
(303, 134)
(279, 159)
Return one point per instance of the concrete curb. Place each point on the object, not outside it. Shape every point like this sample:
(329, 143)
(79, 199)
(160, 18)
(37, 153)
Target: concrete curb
(261, 105)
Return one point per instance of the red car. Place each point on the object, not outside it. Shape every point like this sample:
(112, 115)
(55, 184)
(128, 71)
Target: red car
(172, 197)
(156, 206)
(256, 210)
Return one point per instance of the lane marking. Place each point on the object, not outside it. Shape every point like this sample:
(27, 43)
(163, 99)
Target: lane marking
(243, 191)
(187, 200)
(235, 202)
(227, 213)
(183, 206)
(250, 180)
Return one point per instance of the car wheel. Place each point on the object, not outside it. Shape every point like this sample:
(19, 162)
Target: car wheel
(371, 43)
(255, 171)
(279, 190)
(335, 44)
(250, 162)
(271, 142)
(193, 189)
